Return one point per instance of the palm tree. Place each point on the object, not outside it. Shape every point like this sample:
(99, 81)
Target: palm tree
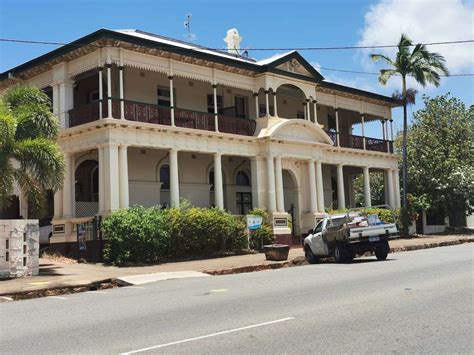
(29, 154)
(425, 67)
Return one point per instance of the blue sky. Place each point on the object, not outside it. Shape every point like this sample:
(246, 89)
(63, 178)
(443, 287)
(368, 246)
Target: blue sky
(263, 23)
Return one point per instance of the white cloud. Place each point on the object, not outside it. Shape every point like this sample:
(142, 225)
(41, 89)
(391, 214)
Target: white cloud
(423, 21)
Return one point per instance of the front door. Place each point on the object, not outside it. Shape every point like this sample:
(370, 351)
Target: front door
(244, 202)
(240, 107)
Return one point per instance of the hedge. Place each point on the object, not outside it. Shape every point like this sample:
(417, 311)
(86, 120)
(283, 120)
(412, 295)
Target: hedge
(150, 235)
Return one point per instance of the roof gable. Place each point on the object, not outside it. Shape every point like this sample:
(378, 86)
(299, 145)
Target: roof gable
(295, 64)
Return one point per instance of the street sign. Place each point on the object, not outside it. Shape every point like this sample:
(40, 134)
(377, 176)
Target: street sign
(254, 222)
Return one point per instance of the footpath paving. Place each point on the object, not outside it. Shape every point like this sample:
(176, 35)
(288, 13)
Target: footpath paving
(57, 274)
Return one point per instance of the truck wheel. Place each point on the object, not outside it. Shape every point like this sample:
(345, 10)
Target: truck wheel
(309, 255)
(339, 254)
(381, 251)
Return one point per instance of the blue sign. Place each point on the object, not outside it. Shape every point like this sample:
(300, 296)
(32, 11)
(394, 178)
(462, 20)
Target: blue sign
(254, 222)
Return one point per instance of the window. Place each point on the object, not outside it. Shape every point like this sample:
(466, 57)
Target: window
(262, 111)
(211, 180)
(300, 114)
(93, 96)
(165, 177)
(210, 104)
(240, 107)
(164, 97)
(242, 179)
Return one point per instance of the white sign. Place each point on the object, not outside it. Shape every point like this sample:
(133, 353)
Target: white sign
(254, 222)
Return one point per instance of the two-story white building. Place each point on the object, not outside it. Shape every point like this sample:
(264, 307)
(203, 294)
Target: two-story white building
(151, 120)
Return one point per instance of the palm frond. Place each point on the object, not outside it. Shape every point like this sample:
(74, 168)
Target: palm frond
(379, 56)
(385, 75)
(36, 120)
(20, 95)
(7, 129)
(32, 188)
(43, 160)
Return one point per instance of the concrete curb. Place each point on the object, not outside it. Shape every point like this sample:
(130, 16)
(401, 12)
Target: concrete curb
(298, 260)
(60, 290)
(112, 283)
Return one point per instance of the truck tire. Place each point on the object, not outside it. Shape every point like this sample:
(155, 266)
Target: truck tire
(381, 251)
(339, 254)
(309, 255)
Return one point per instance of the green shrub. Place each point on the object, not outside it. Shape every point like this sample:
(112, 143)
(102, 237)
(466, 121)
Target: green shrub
(385, 215)
(135, 235)
(146, 235)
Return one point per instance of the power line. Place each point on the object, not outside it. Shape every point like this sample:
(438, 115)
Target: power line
(20, 41)
(12, 40)
(378, 73)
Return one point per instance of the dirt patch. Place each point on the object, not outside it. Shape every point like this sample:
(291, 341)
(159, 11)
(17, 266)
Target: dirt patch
(54, 257)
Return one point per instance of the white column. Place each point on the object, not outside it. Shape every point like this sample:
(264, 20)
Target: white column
(257, 177)
(367, 195)
(315, 110)
(55, 102)
(308, 117)
(111, 178)
(66, 101)
(396, 187)
(68, 187)
(275, 104)
(280, 201)
(257, 107)
(362, 120)
(122, 103)
(267, 104)
(171, 99)
(341, 199)
(391, 198)
(102, 168)
(216, 112)
(271, 185)
(58, 204)
(123, 176)
(391, 130)
(109, 90)
(313, 204)
(218, 189)
(319, 186)
(101, 93)
(337, 126)
(174, 178)
(387, 137)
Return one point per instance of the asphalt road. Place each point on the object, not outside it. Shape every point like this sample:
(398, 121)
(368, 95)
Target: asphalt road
(415, 302)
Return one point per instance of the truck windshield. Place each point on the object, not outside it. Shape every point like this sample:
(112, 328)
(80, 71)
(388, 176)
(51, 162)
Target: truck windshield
(319, 227)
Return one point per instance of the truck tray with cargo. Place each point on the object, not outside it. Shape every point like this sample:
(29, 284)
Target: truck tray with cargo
(347, 235)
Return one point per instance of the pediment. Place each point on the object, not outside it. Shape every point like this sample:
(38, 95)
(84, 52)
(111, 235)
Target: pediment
(294, 66)
(296, 130)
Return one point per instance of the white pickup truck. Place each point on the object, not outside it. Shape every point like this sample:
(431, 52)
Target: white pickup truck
(344, 236)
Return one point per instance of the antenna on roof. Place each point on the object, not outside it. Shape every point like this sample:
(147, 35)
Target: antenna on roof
(187, 24)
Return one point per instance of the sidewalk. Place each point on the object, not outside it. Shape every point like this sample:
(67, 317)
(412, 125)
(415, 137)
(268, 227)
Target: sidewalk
(54, 275)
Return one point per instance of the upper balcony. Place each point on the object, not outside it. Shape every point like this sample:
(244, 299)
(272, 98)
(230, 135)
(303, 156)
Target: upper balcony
(144, 96)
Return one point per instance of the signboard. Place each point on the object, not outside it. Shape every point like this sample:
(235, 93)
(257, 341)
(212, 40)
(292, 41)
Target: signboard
(280, 222)
(59, 228)
(254, 222)
(81, 237)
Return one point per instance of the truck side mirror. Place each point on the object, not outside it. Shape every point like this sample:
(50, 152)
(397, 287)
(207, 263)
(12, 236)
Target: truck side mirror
(310, 231)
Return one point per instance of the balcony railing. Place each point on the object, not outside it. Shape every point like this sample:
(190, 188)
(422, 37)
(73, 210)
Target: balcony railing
(357, 142)
(141, 112)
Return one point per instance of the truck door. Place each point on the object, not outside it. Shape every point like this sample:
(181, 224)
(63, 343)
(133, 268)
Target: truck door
(319, 246)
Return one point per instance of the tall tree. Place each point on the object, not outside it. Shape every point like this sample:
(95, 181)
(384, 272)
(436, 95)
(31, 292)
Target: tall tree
(29, 154)
(441, 156)
(425, 67)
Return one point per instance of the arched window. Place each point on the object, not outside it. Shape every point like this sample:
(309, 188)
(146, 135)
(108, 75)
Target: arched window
(242, 179)
(165, 177)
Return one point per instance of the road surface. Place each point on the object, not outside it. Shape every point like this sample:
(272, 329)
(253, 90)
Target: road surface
(420, 301)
